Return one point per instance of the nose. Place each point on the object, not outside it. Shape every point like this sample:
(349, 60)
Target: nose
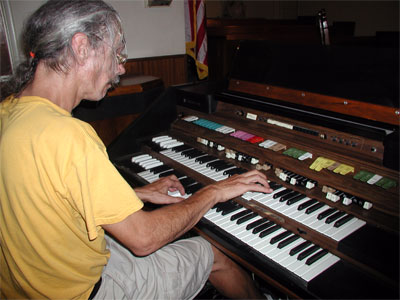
(121, 69)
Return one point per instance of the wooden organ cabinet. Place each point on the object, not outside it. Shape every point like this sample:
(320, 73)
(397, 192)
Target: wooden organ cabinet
(330, 229)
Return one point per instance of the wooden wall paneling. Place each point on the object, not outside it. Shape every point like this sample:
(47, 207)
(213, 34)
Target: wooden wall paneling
(109, 129)
(170, 69)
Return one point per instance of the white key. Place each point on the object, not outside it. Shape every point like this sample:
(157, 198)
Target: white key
(309, 218)
(291, 209)
(320, 267)
(284, 255)
(139, 158)
(161, 138)
(344, 231)
(164, 144)
(172, 145)
(290, 259)
(149, 162)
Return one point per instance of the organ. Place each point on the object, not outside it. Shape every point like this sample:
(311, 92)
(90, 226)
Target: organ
(330, 228)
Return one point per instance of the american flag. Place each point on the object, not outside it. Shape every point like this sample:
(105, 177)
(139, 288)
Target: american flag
(195, 35)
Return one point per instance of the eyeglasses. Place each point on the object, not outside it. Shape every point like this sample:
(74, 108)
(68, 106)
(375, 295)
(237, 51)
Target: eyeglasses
(120, 58)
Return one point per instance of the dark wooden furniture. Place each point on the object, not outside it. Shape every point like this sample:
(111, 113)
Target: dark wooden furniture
(110, 116)
(224, 36)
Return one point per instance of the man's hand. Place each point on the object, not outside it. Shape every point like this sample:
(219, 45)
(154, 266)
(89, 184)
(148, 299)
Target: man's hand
(143, 232)
(157, 192)
(237, 185)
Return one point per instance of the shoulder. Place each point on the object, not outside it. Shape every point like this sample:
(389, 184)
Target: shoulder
(58, 129)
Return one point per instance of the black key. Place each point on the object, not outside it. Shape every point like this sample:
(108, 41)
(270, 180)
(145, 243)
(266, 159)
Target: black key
(343, 221)
(288, 241)
(326, 213)
(307, 204)
(217, 164)
(204, 159)
(295, 199)
(160, 169)
(240, 214)
(334, 217)
(316, 257)
(187, 181)
(246, 218)
(282, 193)
(161, 174)
(230, 209)
(200, 154)
(256, 223)
(262, 227)
(268, 231)
(216, 207)
(193, 188)
(181, 148)
(172, 172)
(280, 236)
(213, 164)
(274, 186)
(189, 152)
(288, 196)
(227, 205)
(299, 248)
(234, 171)
(223, 205)
(224, 167)
(308, 252)
(314, 208)
(195, 155)
(185, 151)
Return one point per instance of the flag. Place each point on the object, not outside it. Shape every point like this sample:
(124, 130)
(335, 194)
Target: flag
(195, 35)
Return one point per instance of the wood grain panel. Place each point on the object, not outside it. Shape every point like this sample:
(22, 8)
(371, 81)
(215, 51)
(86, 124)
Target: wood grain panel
(350, 107)
(109, 129)
(170, 69)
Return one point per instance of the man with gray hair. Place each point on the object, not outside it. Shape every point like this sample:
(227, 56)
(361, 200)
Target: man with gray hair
(59, 193)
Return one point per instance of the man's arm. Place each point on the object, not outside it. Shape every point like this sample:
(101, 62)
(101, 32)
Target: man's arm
(157, 191)
(143, 232)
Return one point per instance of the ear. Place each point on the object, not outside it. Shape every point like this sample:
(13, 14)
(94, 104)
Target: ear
(81, 46)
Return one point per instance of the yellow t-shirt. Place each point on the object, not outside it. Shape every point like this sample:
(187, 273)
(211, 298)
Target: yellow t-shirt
(57, 186)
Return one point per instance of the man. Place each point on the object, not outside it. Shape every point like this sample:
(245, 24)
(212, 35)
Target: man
(59, 192)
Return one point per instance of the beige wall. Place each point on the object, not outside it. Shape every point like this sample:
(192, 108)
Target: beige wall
(370, 16)
(150, 31)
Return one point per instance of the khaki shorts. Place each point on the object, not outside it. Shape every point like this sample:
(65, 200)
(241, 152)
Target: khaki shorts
(176, 271)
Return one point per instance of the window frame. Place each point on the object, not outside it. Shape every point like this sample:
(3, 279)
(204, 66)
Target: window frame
(11, 38)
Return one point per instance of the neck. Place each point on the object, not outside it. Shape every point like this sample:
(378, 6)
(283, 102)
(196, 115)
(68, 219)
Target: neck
(58, 87)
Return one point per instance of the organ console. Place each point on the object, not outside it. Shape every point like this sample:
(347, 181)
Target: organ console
(330, 228)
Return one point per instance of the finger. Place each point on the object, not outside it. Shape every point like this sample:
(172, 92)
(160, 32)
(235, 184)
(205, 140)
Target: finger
(255, 181)
(261, 188)
(175, 184)
(253, 176)
(261, 185)
(254, 172)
